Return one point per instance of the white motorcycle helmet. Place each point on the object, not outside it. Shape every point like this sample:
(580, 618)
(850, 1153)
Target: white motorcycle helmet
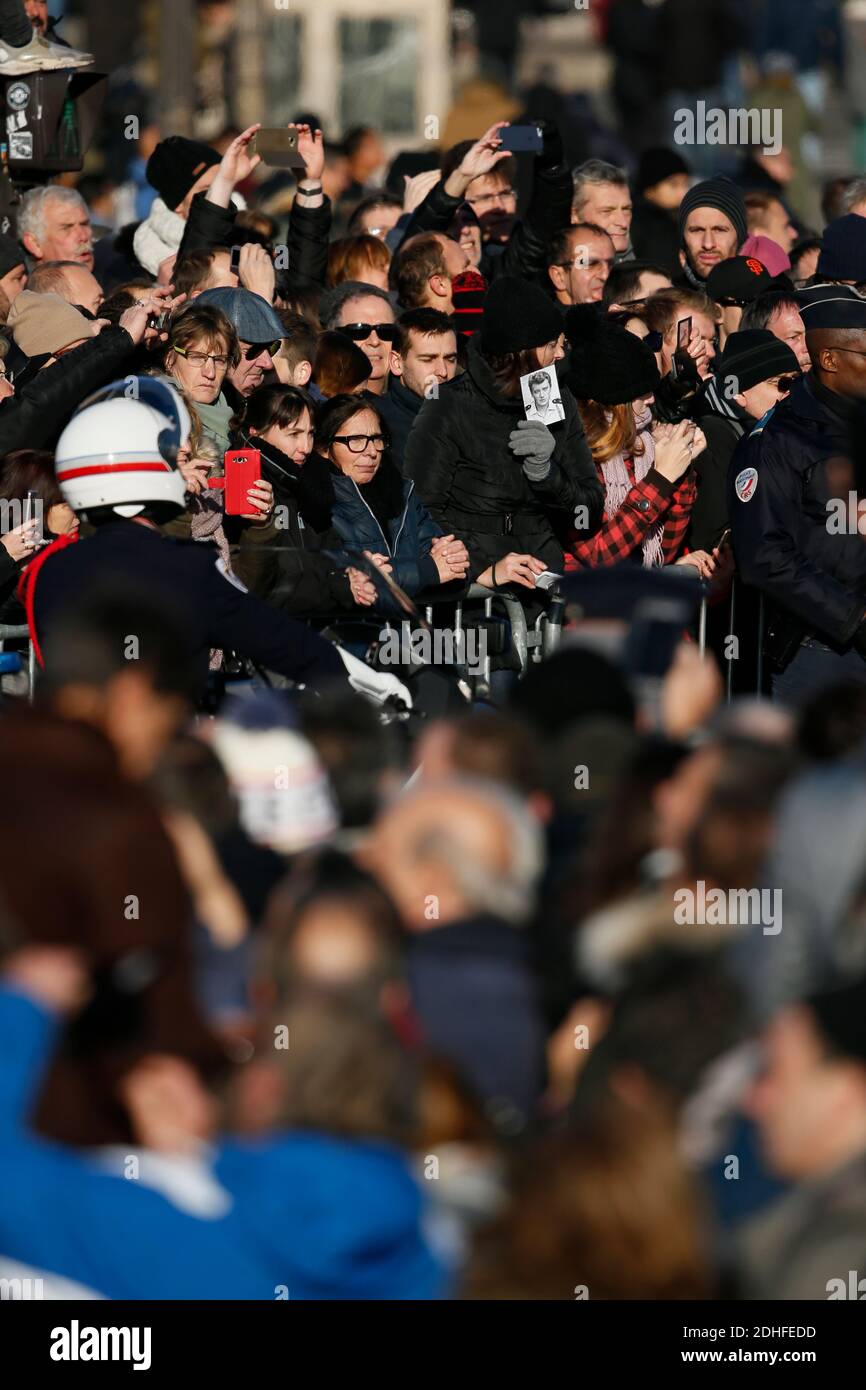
(119, 450)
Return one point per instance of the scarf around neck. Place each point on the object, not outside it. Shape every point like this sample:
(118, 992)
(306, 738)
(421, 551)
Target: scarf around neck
(618, 484)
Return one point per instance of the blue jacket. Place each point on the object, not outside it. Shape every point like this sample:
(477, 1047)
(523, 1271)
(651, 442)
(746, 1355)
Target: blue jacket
(312, 1217)
(408, 539)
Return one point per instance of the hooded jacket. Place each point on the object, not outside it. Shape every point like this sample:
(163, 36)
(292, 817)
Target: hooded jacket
(317, 1216)
(778, 492)
(459, 456)
(724, 423)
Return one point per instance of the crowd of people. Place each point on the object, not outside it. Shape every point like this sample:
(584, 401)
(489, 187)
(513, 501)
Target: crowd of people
(330, 974)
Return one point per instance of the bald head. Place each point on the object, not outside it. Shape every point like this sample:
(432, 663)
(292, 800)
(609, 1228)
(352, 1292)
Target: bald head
(455, 848)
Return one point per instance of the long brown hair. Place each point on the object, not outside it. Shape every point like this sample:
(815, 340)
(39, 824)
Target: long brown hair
(509, 367)
(610, 430)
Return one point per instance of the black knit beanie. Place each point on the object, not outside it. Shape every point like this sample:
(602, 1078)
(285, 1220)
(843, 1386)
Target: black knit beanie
(608, 364)
(721, 193)
(175, 165)
(656, 165)
(517, 315)
(753, 356)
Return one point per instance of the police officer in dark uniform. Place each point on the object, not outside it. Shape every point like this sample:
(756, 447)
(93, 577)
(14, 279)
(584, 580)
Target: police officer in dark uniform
(792, 539)
(116, 464)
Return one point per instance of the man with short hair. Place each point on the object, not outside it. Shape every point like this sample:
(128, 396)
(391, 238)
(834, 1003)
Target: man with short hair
(734, 284)
(713, 226)
(630, 284)
(423, 270)
(54, 225)
(423, 358)
(579, 261)
(206, 269)
(768, 216)
(71, 281)
(854, 198)
(365, 315)
(780, 313)
(601, 196)
(545, 406)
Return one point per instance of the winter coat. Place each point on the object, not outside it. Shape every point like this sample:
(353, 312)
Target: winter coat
(475, 487)
(309, 229)
(405, 536)
(290, 569)
(36, 416)
(778, 491)
(399, 406)
(724, 423)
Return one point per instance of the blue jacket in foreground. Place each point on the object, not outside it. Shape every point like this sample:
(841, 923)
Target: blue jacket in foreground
(312, 1217)
(409, 537)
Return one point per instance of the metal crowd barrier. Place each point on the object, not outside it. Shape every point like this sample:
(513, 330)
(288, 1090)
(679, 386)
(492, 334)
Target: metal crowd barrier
(11, 662)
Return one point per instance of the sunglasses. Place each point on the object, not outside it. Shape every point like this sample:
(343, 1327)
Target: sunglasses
(256, 349)
(357, 443)
(359, 331)
(785, 383)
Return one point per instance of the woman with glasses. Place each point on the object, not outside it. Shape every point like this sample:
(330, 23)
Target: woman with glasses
(374, 509)
(202, 345)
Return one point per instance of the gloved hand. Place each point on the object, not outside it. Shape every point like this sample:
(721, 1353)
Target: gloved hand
(533, 442)
(552, 153)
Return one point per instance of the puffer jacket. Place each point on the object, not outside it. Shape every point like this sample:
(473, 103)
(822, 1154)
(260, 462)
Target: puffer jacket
(405, 537)
(458, 454)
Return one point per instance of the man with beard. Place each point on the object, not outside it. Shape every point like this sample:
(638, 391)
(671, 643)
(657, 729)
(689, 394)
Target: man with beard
(713, 225)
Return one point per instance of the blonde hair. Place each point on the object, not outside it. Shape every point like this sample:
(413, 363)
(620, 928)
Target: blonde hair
(610, 430)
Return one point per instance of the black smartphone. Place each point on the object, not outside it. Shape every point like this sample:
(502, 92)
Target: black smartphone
(522, 139)
(683, 364)
(235, 261)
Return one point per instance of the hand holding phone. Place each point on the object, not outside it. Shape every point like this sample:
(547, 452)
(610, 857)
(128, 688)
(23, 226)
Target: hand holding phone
(521, 139)
(243, 470)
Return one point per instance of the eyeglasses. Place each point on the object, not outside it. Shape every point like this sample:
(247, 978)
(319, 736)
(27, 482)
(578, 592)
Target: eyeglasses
(198, 359)
(785, 383)
(580, 263)
(357, 443)
(358, 332)
(858, 352)
(256, 349)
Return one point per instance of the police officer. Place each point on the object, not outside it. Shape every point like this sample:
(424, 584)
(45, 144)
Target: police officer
(116, 465)
(787, 535)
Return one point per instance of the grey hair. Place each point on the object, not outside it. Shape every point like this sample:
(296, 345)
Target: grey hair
(595, 171)
(509, 895)
(333, 300)
(31, 214)
(854, 193)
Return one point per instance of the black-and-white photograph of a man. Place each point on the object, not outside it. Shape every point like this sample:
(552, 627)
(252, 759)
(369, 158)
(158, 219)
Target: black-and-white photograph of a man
(541, 396)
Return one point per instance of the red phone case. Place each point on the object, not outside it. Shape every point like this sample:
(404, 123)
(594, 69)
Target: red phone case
(243, 470)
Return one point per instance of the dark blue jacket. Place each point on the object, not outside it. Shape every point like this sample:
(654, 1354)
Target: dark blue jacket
(408, 539)
(778, 494)
(399, 407)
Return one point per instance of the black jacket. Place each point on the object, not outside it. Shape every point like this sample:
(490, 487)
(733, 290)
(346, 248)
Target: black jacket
(778, 493)
(36, 416)
(213, 611)
(655, 236)
(115, 261)
(292, 570)
(309, 229)
(724, 423)
(475, 487)
(399, 407)
(525, 253)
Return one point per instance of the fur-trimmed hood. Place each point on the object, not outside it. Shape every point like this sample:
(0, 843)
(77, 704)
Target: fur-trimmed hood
(158, 236)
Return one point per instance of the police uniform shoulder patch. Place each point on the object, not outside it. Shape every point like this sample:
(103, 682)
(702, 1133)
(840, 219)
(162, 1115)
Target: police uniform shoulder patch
(745, 484)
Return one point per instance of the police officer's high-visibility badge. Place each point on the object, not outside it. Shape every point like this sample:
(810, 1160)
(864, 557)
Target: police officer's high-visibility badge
(745, 484)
